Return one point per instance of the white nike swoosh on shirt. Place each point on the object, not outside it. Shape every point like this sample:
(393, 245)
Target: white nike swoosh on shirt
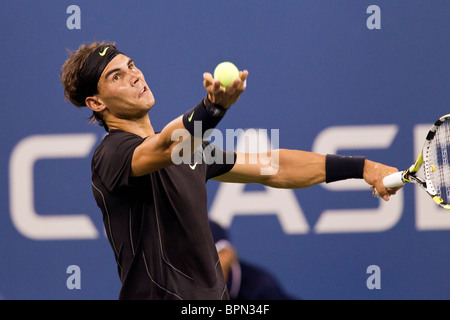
(193, 166)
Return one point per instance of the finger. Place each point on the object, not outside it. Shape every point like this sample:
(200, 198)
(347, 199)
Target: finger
(381, 190)
(393, 191)
(208, 79)
(236, 85)
(216, 86)
(243, 75)
(239, 84)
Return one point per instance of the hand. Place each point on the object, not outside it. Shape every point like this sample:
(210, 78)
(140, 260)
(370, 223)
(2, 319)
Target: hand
(374, 173)
(220, 95)
(227, 257)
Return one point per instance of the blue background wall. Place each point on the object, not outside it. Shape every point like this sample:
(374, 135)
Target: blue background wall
(314, 65)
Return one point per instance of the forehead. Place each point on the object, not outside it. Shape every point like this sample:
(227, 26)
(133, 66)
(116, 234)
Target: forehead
(118, 62)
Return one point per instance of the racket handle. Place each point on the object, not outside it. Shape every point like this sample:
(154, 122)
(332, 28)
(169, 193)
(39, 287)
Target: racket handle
(394, 180)
(391, 181)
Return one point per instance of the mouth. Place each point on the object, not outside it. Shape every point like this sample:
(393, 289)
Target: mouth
(143, 91)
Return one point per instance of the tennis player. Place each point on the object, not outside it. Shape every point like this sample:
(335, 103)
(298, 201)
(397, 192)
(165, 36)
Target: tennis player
(155, 212)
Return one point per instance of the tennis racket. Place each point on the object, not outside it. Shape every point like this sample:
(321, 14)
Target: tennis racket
(434, 158)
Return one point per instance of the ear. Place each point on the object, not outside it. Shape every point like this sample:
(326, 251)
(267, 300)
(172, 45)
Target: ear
(95, 104)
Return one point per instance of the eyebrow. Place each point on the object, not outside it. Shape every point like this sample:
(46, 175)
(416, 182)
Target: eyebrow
(130, 61)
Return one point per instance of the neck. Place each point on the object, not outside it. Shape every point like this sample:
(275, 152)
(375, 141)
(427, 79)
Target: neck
(141, 127)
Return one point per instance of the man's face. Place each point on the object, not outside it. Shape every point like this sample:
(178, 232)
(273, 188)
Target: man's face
(123, 90)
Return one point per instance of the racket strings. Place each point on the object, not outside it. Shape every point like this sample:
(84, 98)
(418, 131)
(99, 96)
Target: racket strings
(439, 161)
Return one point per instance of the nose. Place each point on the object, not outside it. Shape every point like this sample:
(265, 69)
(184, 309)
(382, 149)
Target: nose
(135, 76)
(135, 80)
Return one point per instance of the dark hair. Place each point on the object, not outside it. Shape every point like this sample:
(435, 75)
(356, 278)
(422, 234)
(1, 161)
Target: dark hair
(70, 78)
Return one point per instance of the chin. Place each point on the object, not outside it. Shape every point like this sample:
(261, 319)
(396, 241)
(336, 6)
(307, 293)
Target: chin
(151, 104)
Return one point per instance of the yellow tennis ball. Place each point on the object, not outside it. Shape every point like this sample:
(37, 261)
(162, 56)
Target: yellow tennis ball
(226, 72)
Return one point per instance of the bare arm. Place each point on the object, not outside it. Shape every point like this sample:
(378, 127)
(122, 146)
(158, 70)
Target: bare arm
(156, 151)
(296, 169)
(279, 169)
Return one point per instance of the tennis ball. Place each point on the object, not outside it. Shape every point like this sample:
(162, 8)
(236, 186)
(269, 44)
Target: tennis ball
(226, 72)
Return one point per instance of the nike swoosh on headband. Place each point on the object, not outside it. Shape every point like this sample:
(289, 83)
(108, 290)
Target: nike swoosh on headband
(104, 52)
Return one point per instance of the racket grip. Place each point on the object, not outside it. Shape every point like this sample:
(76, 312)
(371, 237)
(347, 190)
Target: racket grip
(394, 180)
(391, 181)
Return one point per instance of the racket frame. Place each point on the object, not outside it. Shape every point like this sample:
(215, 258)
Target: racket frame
(409, 175)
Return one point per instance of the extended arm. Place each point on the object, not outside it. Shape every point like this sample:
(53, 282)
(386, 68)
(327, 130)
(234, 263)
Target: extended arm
(296, 169)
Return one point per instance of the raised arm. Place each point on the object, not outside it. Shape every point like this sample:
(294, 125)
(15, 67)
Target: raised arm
(157, 151)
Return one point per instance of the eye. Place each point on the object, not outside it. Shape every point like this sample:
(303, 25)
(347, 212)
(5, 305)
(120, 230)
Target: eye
(116, 77)
(131, 66)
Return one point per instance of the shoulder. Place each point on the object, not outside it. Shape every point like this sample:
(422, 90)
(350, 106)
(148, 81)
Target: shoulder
(113, 140)
(117, 143)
